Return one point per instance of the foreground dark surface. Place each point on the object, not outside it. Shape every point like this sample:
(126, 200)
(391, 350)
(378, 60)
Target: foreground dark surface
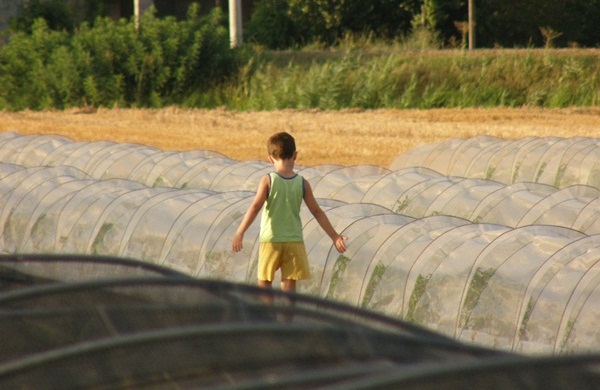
(100, 322)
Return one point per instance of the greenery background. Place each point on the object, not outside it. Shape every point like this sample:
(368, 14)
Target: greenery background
(307, 54)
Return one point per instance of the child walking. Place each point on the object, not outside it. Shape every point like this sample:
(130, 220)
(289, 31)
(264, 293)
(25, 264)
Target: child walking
(281, 239)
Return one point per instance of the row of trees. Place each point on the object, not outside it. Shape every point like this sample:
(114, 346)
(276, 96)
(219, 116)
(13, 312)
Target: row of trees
(58, 14)
(505, 23)
(282, 24)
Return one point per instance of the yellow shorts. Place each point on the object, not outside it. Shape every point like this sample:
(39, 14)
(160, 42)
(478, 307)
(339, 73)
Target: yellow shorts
(289, 256)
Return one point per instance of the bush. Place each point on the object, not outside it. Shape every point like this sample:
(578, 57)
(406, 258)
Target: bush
(271, 25)
(109, 62)
(25, 64)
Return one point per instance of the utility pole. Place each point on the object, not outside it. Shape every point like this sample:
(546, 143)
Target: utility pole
(136, 14)
(235, 22)
(471, 24)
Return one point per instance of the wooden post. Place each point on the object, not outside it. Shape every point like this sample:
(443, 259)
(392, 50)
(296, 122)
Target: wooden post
(235, 22)
(136, 14)
(471, 24)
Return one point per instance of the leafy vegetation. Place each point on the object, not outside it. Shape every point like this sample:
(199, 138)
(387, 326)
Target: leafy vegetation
(499, 23)
(373, 284)
(338, 270)
(189, 63)
(59, 14)
(478, 284)
(397, 78)
(415, 296)
(110, 63)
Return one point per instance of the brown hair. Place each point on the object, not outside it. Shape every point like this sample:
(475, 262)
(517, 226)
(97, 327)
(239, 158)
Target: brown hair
(281, 146)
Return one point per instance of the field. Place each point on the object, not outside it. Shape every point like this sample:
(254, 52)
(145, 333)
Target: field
(348, 137)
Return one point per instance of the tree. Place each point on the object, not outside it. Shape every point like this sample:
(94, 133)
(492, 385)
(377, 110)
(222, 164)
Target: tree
(271, 25)
(282, 23)
(57, 14)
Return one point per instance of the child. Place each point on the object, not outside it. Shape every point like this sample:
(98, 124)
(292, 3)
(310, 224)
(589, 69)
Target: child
(281, 238)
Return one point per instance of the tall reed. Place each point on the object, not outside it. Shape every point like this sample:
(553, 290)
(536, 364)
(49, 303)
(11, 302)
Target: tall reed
(420, 79)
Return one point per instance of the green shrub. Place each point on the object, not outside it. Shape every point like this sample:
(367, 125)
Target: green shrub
(110, 62)
(24, 76)
(271, 25)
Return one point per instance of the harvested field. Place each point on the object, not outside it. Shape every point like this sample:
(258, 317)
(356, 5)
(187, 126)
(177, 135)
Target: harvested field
(349, 137)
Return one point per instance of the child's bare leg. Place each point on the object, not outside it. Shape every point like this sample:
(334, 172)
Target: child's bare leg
(265, 283)
(289, 285)
(267, 298)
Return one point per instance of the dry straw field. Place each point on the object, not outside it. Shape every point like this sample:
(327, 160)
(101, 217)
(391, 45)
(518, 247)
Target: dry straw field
(349, 137)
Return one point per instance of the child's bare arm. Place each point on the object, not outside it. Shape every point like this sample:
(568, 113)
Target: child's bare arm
(250, 216)
(338, 240)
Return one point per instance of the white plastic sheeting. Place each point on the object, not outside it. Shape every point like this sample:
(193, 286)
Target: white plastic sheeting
(521, 278)
(559, 162)
(412, 191)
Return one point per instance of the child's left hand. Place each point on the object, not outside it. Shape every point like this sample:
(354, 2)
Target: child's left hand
(340, 243)
(237, 243)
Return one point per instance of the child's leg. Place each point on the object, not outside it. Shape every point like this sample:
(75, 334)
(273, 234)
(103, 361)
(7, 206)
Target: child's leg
(288, 285)
(265, 283)
(266, 298)
(293, 268)
(294, 265)
(269, 261)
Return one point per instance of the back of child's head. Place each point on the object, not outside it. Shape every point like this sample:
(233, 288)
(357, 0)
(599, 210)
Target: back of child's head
(281, 146)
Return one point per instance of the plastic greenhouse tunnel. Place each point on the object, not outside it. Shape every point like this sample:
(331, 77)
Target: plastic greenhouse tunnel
(502, 255)
(75, 321)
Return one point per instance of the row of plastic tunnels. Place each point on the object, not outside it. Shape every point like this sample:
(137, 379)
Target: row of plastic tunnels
(511, 265)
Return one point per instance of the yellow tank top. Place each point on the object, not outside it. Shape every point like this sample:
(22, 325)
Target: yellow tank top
(280, 220)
